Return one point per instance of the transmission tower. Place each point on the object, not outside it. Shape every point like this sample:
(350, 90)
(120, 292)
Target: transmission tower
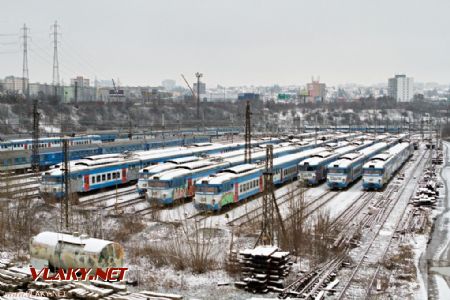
(198, 75)
(25, 89)
(55, 81)
(270, 206)
(66, 183)
(248, 135)
(35, 161)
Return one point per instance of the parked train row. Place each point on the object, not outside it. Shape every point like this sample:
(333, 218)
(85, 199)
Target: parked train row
(379, 169)
(101, 171)
(48, 142)
(178, 183)
(21, 159)
(241, 182)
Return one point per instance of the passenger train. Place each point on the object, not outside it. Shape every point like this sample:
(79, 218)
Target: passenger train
(348, 168)
(379, 169)
(173, 184)
(20, 160)
(100, 171)
(238, 183)
(314, 169)
(48, 142)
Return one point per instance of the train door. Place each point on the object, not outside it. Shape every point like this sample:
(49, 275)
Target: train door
(25, 146)
(86, 183)
(261, 184)
(236, 192)
(190, 189)
(124, 175)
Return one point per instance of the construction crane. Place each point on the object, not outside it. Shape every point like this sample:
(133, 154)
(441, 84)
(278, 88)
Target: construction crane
(189, 86)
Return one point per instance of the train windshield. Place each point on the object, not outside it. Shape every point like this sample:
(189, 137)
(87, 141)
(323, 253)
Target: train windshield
(143, 175)
(158, 184)
(206, 189)
(337, 171)
(307, 168)
(373, 172)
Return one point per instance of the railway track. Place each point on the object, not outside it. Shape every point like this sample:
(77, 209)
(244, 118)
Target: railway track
(314, 284)
(282, 199)
(369, 257)
(93, 199)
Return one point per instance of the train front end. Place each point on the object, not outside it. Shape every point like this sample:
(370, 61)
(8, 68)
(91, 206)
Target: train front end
(159, 192)
(210, 197)
(338, 178)
(373, 179)
(52, 185)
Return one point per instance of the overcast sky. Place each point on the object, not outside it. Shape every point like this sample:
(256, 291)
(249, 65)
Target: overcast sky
(233, 42)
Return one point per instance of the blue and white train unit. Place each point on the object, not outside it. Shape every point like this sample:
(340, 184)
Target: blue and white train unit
(314, 170)
(238, 183)
(348, 168)
(20, 160)
(106, 170)
(379, 169)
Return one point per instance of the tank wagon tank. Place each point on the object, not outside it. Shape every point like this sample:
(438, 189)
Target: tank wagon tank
(62, 251)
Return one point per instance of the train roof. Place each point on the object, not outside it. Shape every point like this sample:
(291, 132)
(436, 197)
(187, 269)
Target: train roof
(300, 155)
(228, 174)
(326, 155)
(348, 158)
(379, 160)
(177, 172)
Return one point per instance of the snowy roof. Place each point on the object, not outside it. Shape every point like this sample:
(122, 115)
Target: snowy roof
(92, 245)
(296, 156)
(223, 176)
(379, 160)
(347, 159)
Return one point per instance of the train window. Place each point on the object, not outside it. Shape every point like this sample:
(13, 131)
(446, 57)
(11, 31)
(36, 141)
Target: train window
(93, 179)
(114, 175)
(98, 178)
(118, 175)
(109, 176)
(103, 177)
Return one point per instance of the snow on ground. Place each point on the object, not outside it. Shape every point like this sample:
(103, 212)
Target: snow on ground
(443, 288)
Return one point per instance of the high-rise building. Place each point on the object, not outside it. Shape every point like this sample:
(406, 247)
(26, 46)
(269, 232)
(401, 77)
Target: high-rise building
(13, 84)
(401, 88)
(79, 81)
(202, 88)
(316, 91)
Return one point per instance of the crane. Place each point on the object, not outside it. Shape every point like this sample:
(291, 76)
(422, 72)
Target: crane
(189, 86)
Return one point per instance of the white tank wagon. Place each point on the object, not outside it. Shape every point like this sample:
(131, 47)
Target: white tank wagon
(58, 250)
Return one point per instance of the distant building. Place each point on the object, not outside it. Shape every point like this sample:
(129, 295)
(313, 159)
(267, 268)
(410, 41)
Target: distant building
(43, 89)
(202, 88)
(79, 81)
(79, 90)
(401, 88)
(168, 84)
(14, 85)
(316, 91)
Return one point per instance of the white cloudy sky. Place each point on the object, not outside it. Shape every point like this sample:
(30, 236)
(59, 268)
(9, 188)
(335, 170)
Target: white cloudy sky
(233, 42)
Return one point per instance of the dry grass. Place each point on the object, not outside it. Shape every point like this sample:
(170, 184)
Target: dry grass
(402, 261)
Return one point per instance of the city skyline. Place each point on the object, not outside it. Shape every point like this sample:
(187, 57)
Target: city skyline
(252, 43)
